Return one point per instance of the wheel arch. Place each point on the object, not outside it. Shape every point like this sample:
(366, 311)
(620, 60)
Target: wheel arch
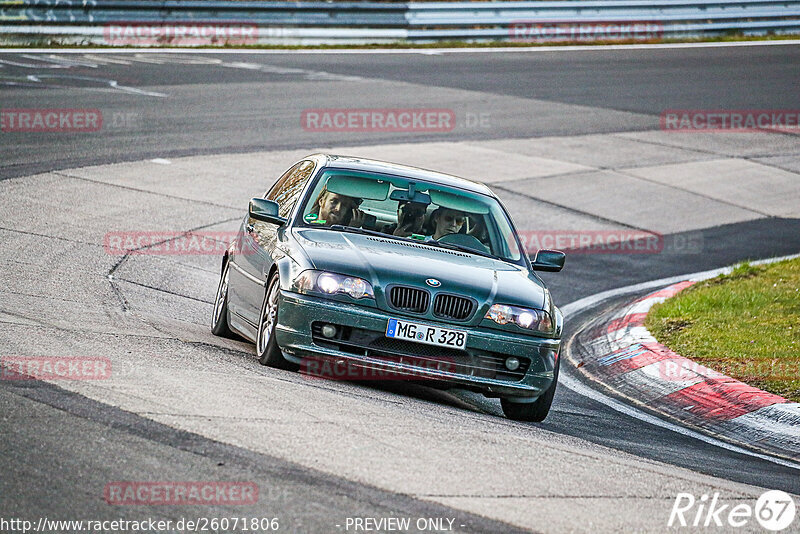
(282, 267)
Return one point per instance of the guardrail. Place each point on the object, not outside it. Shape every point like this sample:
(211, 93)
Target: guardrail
(89, 21)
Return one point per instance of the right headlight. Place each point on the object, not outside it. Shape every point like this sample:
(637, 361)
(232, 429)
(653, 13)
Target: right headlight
(331, 283)
(526, 318)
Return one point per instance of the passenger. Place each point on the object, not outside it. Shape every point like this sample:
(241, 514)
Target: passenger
(334, 208)
(410, 219)
(446, 221)
(478, 230)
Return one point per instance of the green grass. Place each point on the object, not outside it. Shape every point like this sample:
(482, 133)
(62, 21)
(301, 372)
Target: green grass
(55, 43)
(745, 324)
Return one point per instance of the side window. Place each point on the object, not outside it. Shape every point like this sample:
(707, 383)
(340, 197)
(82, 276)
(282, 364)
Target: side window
(287, 189)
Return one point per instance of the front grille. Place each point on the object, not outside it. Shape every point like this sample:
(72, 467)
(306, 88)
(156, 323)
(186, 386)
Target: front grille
(464, 362)
(452, 307)
(409, 299)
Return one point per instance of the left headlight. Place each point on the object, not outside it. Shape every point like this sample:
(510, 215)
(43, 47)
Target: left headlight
(331, 284)
(529, 319)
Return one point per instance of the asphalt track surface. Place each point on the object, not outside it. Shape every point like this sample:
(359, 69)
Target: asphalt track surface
(231, 109)
(59, 448)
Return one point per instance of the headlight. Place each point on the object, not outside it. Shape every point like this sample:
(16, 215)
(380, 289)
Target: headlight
(331, 283)
(535, 320)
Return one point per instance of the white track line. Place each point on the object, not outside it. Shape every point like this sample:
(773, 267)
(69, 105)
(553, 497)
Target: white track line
(582, 389)
(422, 51)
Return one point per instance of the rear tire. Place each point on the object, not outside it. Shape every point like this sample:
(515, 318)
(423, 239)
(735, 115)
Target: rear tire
(219, 317)
(535, 411)
(267, 349)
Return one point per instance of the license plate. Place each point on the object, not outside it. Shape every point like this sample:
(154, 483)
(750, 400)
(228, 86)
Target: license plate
(423, 333)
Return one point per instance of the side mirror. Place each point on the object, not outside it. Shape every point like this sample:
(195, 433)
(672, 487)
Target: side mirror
(265, 210)
(549, 260)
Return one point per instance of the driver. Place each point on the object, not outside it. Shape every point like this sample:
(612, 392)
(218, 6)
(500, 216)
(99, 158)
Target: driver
(446, 221)
(334, 208)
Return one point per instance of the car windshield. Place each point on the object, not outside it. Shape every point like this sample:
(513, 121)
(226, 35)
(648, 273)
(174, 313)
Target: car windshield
(405, 208)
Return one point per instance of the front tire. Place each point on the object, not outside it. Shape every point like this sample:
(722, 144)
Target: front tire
(535, 411)
(219, 317)
(267, 349)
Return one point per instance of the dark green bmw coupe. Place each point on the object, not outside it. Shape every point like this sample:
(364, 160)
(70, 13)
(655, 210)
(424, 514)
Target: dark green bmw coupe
(357, 264)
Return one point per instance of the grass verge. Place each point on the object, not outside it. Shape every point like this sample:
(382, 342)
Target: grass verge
(745, 324)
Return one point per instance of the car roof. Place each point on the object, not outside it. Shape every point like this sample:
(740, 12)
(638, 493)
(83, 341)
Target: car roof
(362, 164)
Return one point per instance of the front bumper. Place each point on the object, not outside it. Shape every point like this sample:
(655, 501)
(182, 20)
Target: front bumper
(470, 369)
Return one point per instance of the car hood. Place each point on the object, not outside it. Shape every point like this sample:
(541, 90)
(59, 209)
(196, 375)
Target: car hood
(387, 261)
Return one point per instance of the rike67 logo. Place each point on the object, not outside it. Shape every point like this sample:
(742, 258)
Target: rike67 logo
(774, 510)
